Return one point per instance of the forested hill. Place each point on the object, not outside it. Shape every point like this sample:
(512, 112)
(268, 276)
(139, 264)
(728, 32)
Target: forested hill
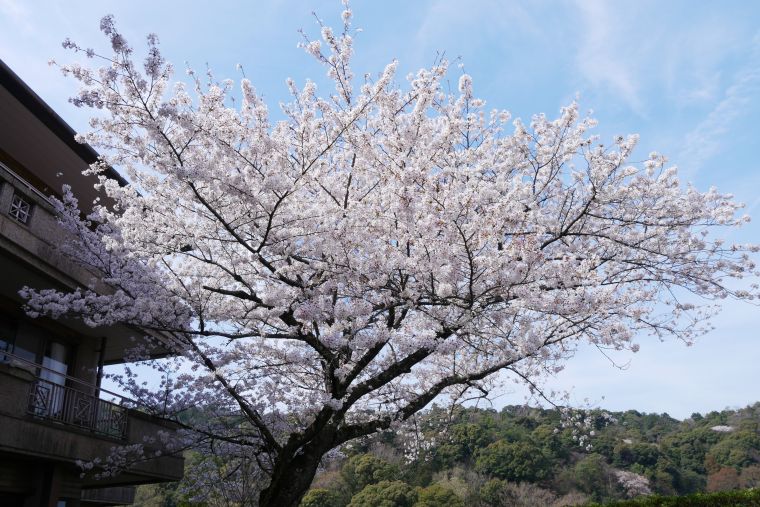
(482, 456)
(530, 456)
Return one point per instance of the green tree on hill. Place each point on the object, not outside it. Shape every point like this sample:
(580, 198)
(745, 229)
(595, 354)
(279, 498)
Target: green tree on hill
(385, 494)
(514, 461)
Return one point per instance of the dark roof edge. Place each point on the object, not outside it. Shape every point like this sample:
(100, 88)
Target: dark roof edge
(39, 108)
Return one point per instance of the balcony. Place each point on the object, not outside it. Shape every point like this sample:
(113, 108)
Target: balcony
(66, 405)
(45, 415)
(109, 496)
(60, 398)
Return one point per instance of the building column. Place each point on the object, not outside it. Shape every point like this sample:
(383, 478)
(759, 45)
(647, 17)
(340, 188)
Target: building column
(47, 487)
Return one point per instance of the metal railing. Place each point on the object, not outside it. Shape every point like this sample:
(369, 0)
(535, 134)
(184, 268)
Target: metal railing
(82, 406)
(66, 405)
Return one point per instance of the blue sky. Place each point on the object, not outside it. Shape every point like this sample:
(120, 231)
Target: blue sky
(684, 75)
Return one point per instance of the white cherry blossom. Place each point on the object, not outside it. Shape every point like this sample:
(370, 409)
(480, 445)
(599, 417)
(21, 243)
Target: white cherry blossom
(329, 275)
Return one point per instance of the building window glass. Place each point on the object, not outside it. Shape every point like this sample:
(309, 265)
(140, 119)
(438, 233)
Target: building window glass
(7, 336)
(56, 361)
(21, 209)
(21, 340)
(26, 347)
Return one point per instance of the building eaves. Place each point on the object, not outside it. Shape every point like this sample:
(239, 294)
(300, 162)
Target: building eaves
(45, 114)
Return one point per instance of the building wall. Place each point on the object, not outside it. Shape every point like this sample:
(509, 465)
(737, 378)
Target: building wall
(39, 453)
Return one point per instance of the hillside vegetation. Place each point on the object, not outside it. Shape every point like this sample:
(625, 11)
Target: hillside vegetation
(522, 456)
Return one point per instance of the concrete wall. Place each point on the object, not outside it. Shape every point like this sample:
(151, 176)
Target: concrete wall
(40, 237)
(25, 437)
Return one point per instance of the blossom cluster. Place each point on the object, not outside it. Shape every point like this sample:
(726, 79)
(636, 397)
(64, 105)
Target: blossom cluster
(328, 275)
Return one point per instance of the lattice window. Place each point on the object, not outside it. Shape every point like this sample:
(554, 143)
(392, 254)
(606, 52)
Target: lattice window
(21, 209)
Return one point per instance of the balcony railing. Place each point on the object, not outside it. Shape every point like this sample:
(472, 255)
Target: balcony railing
(82, 406)
(66, 405)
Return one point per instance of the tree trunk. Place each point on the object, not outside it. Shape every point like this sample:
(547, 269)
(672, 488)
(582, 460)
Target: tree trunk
(292, 477)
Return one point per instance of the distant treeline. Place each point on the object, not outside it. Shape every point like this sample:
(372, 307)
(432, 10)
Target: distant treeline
(523, 456)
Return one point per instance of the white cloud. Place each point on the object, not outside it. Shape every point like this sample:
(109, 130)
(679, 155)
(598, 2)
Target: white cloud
(458, 28)
(600, 58)
(648, 55)
(707, 138)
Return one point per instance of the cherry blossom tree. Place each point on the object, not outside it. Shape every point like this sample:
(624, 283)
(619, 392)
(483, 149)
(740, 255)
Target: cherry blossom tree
(326, 276)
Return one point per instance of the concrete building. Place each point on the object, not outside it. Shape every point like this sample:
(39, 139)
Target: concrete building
(53, 411)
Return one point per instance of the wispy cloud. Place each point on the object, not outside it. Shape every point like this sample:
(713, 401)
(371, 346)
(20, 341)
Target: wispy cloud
(461, 28)
(600, 59)
(708, 137)
(675, 60)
